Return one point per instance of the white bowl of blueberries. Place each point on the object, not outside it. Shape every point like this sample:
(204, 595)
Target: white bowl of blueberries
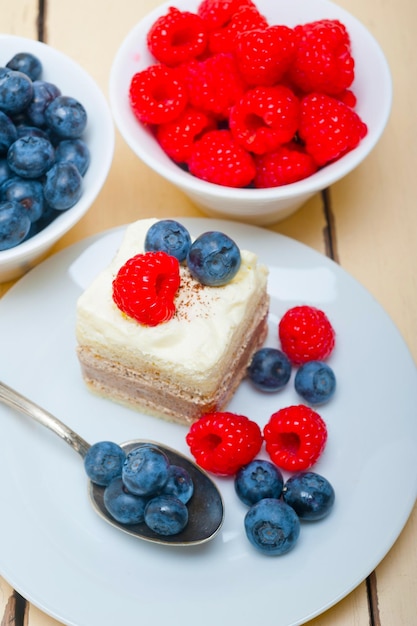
(56, 149)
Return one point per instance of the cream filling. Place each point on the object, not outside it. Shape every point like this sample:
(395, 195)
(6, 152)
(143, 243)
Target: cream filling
(194, 341)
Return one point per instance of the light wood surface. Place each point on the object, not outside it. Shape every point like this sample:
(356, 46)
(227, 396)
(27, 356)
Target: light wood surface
(368, 223)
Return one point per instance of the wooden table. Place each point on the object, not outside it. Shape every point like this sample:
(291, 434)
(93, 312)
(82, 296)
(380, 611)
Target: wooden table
(367, 223)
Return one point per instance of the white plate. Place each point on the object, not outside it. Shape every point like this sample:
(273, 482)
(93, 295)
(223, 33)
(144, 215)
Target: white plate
(57, 553)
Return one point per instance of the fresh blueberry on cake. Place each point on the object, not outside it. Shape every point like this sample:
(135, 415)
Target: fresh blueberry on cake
(153, 336)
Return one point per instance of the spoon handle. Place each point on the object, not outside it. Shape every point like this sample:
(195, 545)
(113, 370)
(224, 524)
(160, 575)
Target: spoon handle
(15, 400)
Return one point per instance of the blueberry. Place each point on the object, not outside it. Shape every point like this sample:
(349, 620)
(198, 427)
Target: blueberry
(5, 171)
(179, 484)
(66, 117)
(27, 63)
(124, 507)
(166, 515)
(315, 382)
(272, 526)
(47, 217)
(14, 224)
(74, 151)
(213, 259)
(309, 494)
(145, 470)
(8, 133)
(29, 193)
(19, 118)
(257, 480)
(270, 369)
(170, 237)
(31, 157)
(63, 186)
(104, 461)
(24, 130)
(16, 91)
(43, 94)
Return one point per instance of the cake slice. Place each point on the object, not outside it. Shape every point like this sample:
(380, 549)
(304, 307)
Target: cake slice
(182, 368)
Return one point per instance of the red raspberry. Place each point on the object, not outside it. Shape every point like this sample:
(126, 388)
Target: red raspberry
(145, 287)
(214, 85)
(265, 118)
(177, 37)
(284, 166)
(177, 138)
(219, 159)
(222, 443)
(156, 95)
(323, 61)
(217, 13)
(295, 437)
(264, 56)
(247, 18)
(329, 128)
(306, 334)
(348, 97)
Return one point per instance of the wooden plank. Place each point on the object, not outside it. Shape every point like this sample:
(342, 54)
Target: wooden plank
(35, 617)
(375, 209)
(375, 205)
(19, 18)
(351, 611)
(11, 605)
(396, 579)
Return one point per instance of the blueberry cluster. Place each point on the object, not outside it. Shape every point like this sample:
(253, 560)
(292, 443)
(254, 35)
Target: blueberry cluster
(43, 156)
(270, 370)
(141, 486)
(277, 508)
(213, 258)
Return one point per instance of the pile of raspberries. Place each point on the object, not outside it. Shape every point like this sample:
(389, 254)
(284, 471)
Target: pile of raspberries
(241, 103)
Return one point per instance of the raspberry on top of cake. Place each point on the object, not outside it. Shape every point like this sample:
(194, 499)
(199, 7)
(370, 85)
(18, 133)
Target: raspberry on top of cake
(186, 366)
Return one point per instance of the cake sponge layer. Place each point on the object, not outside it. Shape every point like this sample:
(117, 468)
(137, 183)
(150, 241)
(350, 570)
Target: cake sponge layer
(152, 392)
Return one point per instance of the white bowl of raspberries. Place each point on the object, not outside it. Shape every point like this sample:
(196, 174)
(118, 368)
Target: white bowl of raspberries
(249, 106)
(56, 148)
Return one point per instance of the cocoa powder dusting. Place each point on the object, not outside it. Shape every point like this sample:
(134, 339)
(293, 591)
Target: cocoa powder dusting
(193, 299)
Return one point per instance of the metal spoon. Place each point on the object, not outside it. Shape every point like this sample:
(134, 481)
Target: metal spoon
(205, 509)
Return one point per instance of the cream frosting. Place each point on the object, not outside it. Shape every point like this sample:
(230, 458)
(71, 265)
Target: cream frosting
(194, 340)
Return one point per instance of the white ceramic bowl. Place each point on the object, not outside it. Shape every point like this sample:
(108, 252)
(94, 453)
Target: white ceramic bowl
(73, 81)
(372, 87)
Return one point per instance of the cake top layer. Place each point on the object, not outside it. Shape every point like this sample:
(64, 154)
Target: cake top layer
(201, 330)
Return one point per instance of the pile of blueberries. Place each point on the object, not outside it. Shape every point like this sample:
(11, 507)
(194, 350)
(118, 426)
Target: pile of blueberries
(277, 508)
(141, 486)
(43, 156)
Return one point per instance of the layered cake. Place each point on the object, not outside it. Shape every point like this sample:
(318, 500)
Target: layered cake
(182, 368)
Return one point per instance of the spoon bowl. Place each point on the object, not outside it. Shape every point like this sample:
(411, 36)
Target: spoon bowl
(205, 509)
